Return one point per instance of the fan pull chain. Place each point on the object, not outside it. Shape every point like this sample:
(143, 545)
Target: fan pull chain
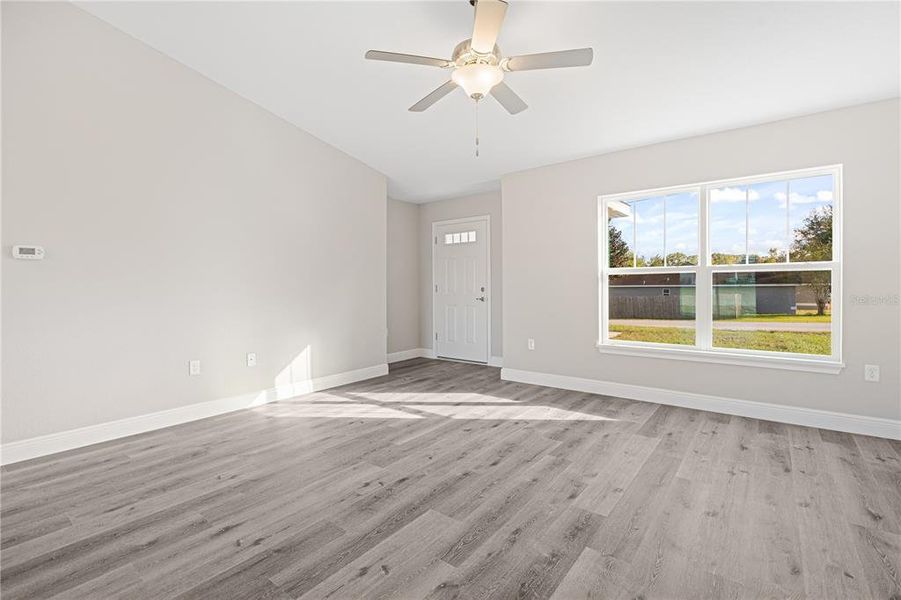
(477, 128)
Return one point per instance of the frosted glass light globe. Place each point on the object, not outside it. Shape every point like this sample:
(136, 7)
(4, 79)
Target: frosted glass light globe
(477, 79)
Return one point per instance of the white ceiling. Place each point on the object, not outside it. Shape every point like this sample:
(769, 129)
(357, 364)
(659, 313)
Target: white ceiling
(661, 71)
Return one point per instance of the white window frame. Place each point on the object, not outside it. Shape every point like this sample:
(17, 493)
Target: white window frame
(704, 351)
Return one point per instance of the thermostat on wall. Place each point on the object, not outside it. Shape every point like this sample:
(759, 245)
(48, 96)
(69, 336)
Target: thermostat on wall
(28, 252)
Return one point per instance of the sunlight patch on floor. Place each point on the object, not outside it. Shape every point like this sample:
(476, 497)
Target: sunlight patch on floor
(411, 397)
(345, 411)
(509, 413)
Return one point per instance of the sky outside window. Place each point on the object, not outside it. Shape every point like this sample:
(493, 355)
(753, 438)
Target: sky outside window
(729, 224)
(682, 229)
(649, 232)
(767, 222)
(764, 219)
(806, 198)
(655, 231)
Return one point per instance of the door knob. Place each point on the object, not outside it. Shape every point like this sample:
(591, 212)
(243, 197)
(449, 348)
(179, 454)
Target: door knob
(481, 298)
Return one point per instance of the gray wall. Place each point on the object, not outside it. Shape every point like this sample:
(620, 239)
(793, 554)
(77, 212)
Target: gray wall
(180, 221)
(458, 208)
(403, 276)
(550, 257)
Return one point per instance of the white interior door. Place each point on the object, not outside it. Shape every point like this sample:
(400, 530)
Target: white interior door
(460, 267)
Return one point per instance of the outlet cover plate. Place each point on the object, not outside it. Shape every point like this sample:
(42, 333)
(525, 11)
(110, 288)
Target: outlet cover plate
(871, 373)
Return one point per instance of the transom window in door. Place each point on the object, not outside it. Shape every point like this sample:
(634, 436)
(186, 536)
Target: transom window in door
(465, 237)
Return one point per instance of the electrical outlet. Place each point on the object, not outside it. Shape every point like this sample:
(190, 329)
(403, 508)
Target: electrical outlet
(531, 344)
(193, 367)
(871, 373)
(251, 359)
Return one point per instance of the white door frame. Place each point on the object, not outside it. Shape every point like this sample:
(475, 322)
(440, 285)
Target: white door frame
(490, 292)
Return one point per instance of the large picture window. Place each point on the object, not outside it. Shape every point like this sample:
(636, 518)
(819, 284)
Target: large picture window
(745, 270)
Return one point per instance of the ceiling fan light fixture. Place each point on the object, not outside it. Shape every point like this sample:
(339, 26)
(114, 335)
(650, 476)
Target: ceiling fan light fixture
(478, 65)
(477, 79)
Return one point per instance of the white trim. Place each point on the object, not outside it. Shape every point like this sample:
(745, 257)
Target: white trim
(394, 357)
(809, 417)
(493, 361)
(490, 291)
(746, 358)
(13, 452)
(751, 180)
(663, 191)
(703, 349)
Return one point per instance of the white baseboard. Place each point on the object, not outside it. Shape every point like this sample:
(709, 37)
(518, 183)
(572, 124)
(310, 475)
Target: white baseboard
(885, 428)
(94, 434)
(394, 357)
(493, 361)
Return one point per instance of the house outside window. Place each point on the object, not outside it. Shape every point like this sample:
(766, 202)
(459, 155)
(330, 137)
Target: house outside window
(739, 271)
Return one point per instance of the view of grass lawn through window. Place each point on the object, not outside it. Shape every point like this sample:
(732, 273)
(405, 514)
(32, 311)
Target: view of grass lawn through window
(763, 338)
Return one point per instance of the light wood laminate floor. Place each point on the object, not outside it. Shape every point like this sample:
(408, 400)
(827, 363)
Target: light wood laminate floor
(441, 481)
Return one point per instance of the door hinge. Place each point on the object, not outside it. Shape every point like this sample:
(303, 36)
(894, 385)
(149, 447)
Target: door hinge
(436, 288)
(436, 240)
(436, 336)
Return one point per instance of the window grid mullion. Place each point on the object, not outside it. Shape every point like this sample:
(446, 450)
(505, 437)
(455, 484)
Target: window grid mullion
(788, 227)
(747, 225)
(664, 232)
(704, 282)
(769, 267)
(634, 236)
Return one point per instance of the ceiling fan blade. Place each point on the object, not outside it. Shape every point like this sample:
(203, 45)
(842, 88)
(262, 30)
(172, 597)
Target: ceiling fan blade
(550, 60)
(434, 97)
(508, 98)
(408, 58)
(487, 26)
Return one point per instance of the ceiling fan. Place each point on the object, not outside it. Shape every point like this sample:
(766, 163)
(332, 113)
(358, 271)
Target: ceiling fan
(478, 65)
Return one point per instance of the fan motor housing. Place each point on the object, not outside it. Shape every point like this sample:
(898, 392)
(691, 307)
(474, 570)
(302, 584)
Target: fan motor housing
(464, 54)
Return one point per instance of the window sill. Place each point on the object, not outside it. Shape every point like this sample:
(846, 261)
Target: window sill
(811, 365)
